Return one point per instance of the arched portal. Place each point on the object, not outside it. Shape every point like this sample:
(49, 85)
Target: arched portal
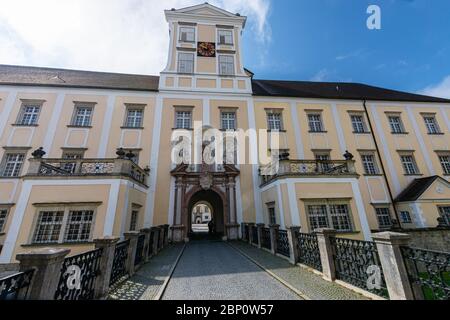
(214, 201)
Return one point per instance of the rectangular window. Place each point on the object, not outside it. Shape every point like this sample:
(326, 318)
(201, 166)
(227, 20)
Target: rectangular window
(445, 214)
(384, 218)
(134, 117)
(3, 217)
(183, 119)
(431, 124)
(358, 124)
(405, 216)
(78, 228)
(83, 115)
(369, 164)
(187, 34)
(340, 217)
(272, 215)
(315, 123)
(29, 115)
(324, 166)
(186, 63)
(409, 165)
(396, 124)
(226, 65)
(274, 121)
(318, 217)
(226, 37)
(12, 164)
(330, 215)
(134, 220)
(445, 162)
(48, 227)
(71, 155)
(228, 120)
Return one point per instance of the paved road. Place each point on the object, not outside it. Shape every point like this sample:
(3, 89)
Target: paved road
(216, 271)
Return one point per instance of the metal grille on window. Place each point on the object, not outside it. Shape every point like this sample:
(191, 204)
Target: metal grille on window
(30, 115)
(228, 120)
(226, 65)
(445, 162)
(3, 216)
(134, 118)
(358, 124)
(431, 125)
(318, 217)
(340, 217)
(48, 227)
(13, 164)
(368, 161)
(396, 124)
(183, 119)
(384, 217)
(274, 121)
(409, 164)
(78, 227)
(315, 123)
(186, 63)
(83, 116)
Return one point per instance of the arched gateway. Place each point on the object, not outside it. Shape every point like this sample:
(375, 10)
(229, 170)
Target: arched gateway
(214, 184)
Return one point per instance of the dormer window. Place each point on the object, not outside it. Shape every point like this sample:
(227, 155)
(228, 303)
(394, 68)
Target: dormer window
(187, 34)
(226, 37)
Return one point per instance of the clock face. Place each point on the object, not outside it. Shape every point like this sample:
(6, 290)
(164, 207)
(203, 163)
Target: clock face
(206, 49)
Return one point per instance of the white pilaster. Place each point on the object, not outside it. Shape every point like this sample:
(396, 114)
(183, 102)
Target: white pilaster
(297, 131)
(9, 104)
(53, 124)
(107, 122)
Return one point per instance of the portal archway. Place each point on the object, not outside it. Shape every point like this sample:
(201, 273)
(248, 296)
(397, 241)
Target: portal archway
(214, 200)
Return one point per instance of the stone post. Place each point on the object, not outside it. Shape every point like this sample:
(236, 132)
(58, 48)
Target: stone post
(293, 244)
(250, 233)
(326, 252)
(161, 238)
(394, 269)
(155, 240)
(47, 265)
(274, 228)
(106, 263)
(260, 227)
(133, 237)
(166, 235)
(147, 232)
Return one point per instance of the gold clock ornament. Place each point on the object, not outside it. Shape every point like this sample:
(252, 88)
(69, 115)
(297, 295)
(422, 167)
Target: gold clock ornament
(206, 49)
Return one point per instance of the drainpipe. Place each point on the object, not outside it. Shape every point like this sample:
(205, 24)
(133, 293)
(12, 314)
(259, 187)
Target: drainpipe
(382, 165)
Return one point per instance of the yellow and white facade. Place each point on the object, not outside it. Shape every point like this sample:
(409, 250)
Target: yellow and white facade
(83, 188)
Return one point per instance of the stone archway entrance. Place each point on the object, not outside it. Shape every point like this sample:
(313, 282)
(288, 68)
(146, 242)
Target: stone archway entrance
(213, 184)
(215, 202)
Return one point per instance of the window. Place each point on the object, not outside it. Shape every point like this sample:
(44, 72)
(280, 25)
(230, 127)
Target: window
(226, 37)
(445, 162)
(3, 217)
(358, 124)
(431, 124)
(318, 217)
(384, 218)
(29, 115)
(183, 119)
(272, 214)
(275, 122)
(396, 124)
(83, 115)
(409, 165)
(78, 228)
(228, 120)
(369, 164)
(12, 164)
(226, 65)
(330, 215)
(315, 123)
(405, 216)
(72, 155)
(134, 220)
(134, 117)
(445, 213)
(48, 227)
(340, 217)
(187, 34)
(186, 62)
(323, 167)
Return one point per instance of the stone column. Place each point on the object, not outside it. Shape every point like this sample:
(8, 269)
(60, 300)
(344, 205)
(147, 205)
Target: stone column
(293, 244)
(326, 252)
(155, 231)
(133, 237)
(106, 263)
(178, 227)
(394, 269)
(147, 232)
(260, 227)
(274, 228)
(47, 265)
(232, 226)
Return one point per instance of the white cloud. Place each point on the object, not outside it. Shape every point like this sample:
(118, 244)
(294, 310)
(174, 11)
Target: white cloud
(106, 35)
(441, 89)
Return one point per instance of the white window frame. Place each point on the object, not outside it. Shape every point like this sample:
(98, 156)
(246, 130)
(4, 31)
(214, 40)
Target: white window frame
(83, 120)
(4, 213)
(444, 212)
(186, 65)
(188, 30)
(358, 123)
(315, 122)
(27, 118)
(325, 215)
(272, 213)
(396, 124)
(134, 121)
(382, 216)
(444, 159)
(134, 219)
(183, 119)
(369, 163)
(431, 124)
(228, 120)
(14, 166)
(226, 68)
(410, 167)
(231, 36)
(275, 121)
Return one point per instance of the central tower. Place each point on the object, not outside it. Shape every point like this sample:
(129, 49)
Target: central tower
(205, 52)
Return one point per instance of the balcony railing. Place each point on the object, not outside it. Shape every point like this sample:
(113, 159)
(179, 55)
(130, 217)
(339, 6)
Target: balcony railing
(40, 167)
(298, 168)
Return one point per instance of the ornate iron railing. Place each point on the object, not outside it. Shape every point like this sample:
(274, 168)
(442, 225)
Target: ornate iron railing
(16, 286)
(429, 273)
(78, 274)
(266, 241)
(356, 261)
(139, 250)
(255, 235)
(308, 249)
(283, 243)
(119, 267)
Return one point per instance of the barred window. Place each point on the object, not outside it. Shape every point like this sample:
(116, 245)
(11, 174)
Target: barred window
(134, 220)
(275, 122)
(228, 120)
(226, 37)
(12, 164)
(445, 162)
(330, 214)
(340, 217)
(226, 65)
(384, 218)
(315, 123)
(183, 119)
(409, 164)
(185, 62)
(187, 34)
(368, 161)
(3, 217)
(82, 117)
(48, 227)
(445, 213)
(134, 118)
(396, 124)
(431, 124)
(318, 217)
(29, 114)
(358, 124)
(78, 228)
(405, 216)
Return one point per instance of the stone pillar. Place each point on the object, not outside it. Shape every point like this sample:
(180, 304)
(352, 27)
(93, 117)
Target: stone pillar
(155, 231)
(106, 263)
(166, 235)
(260, 227)
(161, 238)
(394, 269)
(250, 233)
(274, 228)
(232, 226)
(133, 237)
(293, 244)
(47, 265)
(326, 252)
(147, 232)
